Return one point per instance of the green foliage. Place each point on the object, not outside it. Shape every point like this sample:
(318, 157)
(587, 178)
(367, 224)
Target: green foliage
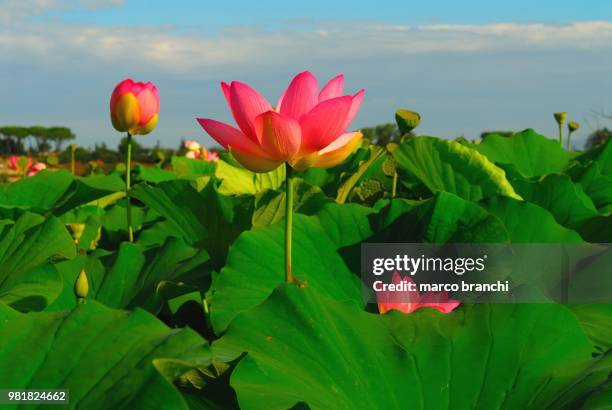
(206, 267)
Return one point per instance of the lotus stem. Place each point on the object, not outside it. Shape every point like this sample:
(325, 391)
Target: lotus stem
(72, 159)
(561, 134)
(569, 136)
(288, 223)
(394, 189)
(128, 165)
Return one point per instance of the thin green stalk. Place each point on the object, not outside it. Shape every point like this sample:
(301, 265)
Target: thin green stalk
(569, 136)
(394, 191)
(561, 135)
(72, 160)
(288, 223)
(128, 165)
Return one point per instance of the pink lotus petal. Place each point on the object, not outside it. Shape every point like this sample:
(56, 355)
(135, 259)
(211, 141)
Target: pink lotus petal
(408, 301)
(325, 123)
(356, 103)
(279, 135)
(122, 88)
(246, 104)
(36, 168)
(300, 97)
(225, 87)
(148, 105)
(340, 142)
(439, 301)
(332, 89)
(228, 136)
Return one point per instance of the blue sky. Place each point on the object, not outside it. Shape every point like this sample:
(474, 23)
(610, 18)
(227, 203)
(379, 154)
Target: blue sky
(465, 66)
(216, 14)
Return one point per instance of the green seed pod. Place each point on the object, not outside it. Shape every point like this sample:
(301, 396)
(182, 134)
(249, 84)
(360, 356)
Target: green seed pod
(388, 167)
(407, 120)
(370, 188)
(560, 117)
(572, 126)
(81, 286)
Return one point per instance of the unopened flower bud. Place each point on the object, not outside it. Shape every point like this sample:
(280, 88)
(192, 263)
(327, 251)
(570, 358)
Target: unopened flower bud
(81, 286)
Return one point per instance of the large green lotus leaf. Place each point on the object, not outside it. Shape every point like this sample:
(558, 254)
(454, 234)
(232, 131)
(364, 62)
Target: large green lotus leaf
(305, 347)
(270, 204)
(443, 218)
(103, 356)
(529, 223)
(154, 174)
(27, 280)
(596, 320)
(127, 278)
(593, 171)
(597, 229)
(564, 199)
(442, 165)
(530, 153)
(237, 180)
(192, 168)
(600, 400)
(57, 192)
(205, 219)
(179, 203)
(255, 264)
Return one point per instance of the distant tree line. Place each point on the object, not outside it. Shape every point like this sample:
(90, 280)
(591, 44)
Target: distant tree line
(36, 139)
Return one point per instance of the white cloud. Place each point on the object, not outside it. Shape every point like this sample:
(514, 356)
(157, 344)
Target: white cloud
(15, 10)
(169, 50)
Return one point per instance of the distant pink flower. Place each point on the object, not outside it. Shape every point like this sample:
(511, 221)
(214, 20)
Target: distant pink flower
(36, 168)
(408, 302)
(211, 156)
(192, 145)
(13, 163)
(307, 128)
(193, 154)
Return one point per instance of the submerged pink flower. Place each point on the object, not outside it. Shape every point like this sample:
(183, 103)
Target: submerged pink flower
(36, 168)
(307, 128)
(408, 302)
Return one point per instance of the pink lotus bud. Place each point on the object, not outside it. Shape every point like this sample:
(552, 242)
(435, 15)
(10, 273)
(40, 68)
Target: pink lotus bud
(134, 107)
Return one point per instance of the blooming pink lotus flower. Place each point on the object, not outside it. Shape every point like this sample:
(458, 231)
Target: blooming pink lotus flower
(134, 107)
(13, 163)
(307, 128)
(408, 302)
(36, 168)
